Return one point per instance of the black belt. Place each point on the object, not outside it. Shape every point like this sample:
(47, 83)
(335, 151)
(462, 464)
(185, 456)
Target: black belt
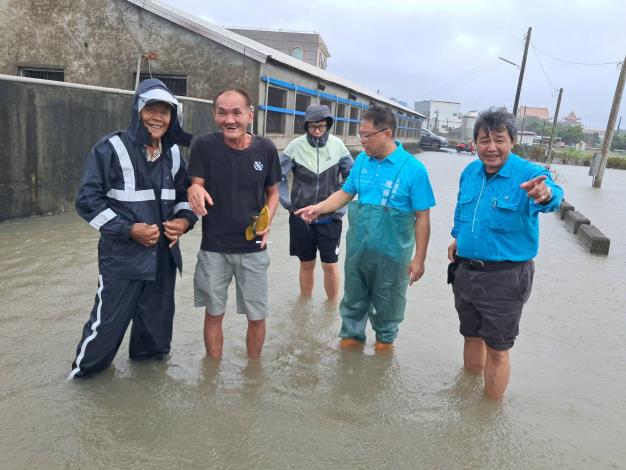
(480, 265)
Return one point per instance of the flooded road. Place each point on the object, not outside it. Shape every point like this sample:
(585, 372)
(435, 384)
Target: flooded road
(305, 404)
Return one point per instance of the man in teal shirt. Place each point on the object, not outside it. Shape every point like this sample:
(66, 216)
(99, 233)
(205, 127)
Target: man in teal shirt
(389, 220)
(496, 236)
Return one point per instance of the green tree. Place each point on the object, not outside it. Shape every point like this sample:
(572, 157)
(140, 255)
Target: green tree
(619, 142)
(596, 141)
(570, 134)
(533, 124)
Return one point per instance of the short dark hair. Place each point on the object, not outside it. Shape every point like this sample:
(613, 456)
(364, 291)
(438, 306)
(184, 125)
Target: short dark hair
(381, 118)
(495, 119)
(241, 91)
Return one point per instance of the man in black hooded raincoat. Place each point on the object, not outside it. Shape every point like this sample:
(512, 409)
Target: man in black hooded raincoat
(134, 192)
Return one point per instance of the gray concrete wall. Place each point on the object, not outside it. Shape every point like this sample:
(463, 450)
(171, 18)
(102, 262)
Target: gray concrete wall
(98, 42)
(46, 133)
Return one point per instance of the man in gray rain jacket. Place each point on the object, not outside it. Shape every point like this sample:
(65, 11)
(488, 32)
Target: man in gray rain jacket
(320, 162)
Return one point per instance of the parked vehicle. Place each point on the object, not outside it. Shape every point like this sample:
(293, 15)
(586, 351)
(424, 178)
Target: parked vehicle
(431, 140)
(467, 147)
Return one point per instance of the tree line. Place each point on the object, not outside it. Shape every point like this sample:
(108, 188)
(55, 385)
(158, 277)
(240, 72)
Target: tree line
(570, 135)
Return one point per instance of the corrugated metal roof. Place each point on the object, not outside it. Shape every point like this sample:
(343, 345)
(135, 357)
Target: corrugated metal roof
(253, 49)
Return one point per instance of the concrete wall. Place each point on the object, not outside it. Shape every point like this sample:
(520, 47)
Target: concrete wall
(98, 42)
(47, 131)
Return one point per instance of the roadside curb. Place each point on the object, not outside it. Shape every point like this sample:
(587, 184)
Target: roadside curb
(594, 241)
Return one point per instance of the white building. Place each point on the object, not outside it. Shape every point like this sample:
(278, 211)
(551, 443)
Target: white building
(440, 115)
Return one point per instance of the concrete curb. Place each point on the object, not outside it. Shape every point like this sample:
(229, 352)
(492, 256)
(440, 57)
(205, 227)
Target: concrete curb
(565, 207)
(589, 235)
(574, 219)
(594, 240)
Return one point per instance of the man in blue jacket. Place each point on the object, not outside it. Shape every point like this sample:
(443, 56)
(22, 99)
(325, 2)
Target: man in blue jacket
(496, 236)
(388, 234)
(134, 192)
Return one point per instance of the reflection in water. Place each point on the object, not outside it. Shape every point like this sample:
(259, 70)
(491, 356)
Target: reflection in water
(305, 403)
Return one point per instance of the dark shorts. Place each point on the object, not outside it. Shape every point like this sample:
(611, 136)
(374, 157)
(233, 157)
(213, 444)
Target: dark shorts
(489, 303)
(306, 239)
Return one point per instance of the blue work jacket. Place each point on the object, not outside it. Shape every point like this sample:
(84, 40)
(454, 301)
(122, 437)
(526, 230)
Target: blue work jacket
(494, 219)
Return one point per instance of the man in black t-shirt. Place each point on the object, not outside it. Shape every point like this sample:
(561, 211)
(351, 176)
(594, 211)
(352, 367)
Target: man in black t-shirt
(235, 174)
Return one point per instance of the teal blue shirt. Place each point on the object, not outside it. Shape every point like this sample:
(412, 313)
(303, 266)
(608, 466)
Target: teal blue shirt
(494, 219)
(398, 180)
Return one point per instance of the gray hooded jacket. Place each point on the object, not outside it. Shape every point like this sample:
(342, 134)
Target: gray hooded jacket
(319, 165)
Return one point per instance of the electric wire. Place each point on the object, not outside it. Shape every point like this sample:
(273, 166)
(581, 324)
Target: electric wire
(470, 75)
(573, 62)
(554, 87)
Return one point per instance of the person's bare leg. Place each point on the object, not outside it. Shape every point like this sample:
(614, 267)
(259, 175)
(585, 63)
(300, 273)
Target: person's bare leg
(474, 353)
(213, 335)
(255, 337)
(497, 372)
(331, 281)
(307, 278)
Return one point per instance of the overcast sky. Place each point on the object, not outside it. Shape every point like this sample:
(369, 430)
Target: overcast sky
(448, 49)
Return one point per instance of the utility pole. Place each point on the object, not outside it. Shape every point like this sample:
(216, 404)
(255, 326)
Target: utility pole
(521, 73)
(610, 127)
(556, 118)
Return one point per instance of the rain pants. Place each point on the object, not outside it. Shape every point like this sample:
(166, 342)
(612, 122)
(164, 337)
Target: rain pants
(379, 246)
(119, 188)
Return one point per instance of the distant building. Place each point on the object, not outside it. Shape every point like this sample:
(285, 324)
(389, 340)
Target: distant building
(528, 111)
(527, 137)
(571, 120)
(593, 137)
(306, 46)
(468, 120)
(440, 115)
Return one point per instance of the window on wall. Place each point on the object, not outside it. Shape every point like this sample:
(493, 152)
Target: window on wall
(176, 83)
(275, 122)
(341, 112)
(328, 103)
(302, 102)
(298, 53)
(43, 73)
(354, 114)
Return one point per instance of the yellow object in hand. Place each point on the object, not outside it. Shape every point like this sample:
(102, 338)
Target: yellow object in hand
(258, 223)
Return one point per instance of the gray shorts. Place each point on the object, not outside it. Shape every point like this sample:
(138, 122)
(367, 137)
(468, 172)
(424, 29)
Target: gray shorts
(214, 273)
(490, 304)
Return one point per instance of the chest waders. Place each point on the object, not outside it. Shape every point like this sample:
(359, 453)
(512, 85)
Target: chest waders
(379, 246)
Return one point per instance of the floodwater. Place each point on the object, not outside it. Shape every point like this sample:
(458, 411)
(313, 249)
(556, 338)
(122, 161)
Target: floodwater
(305, 404)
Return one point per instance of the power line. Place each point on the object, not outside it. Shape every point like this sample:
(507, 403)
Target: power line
(573, 62)
(471, 74)
(554, 88)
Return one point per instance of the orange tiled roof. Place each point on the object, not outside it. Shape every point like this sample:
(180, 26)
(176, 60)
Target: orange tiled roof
(540, 113)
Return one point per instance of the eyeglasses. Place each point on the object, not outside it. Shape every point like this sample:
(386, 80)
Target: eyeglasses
(318, 127)
(363, 137)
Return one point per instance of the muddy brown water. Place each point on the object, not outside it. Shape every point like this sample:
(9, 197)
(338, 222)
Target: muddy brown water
(305, 404)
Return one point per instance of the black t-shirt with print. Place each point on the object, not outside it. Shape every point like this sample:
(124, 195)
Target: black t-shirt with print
(236, 181)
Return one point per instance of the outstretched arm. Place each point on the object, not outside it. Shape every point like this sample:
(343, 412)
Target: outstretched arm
(335, 201)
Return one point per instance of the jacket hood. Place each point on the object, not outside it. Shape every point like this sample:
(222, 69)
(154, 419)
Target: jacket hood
(316, 113)
(150, 91)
